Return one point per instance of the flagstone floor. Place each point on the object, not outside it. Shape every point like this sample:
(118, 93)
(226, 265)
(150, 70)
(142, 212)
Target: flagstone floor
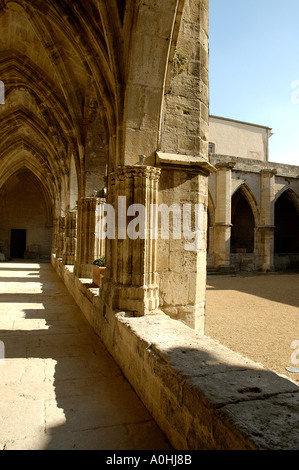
(60, 388)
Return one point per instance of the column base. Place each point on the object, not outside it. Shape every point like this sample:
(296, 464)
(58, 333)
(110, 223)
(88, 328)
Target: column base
(83, 271)
(139, 300)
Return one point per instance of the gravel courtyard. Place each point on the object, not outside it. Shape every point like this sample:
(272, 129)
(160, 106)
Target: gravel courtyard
(257, 316)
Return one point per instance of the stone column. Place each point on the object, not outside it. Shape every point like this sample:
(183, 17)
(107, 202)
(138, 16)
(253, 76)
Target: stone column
(86, 227)
(69, 255)
(265, 245)
(55, 237)
(131, 282)
(60, 237)
(99, 248)
(222, 227)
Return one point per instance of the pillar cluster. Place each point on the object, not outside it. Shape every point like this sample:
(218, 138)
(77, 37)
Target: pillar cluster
(132, 282)
(265, 234)
(222, 227)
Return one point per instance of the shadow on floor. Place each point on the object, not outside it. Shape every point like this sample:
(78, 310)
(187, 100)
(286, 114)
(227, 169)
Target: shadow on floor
(65, 378)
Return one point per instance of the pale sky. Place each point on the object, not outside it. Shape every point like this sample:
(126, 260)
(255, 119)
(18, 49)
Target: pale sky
(254, 68)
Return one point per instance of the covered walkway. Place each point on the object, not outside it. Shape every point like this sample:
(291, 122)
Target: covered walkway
(60, 388)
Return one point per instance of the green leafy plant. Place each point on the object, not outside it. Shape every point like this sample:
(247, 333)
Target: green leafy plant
(100, 262)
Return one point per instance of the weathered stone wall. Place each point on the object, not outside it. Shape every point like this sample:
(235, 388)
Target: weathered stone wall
(186, 110)
(181, 263)
(183, 158)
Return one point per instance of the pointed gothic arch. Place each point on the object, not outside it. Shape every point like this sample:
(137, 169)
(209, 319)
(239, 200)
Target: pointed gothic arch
(26, 206)
(251, 199)
(244, 217)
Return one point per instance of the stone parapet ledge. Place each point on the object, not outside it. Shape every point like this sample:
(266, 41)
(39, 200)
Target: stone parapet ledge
(256, 166)
(201, 394)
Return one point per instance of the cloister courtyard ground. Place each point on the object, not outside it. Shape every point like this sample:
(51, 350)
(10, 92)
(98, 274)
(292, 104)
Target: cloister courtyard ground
(257, 316)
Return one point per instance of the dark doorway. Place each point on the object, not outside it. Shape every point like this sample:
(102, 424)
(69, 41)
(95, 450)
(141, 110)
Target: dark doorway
(242, 235)
(17, 244)
(286, 225)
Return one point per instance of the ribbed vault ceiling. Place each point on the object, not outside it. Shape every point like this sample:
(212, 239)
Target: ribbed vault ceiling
(75, 73)
(57, 64)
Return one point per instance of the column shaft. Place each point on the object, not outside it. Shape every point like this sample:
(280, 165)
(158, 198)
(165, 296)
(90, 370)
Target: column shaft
(69, 255)
(222, 228)
(266, 229)
(131, 282)
(86, 237)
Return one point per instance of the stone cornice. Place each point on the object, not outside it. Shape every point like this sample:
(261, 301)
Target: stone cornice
(187, 162)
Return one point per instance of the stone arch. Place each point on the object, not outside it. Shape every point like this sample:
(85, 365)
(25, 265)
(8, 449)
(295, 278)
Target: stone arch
(58, 87)
(21, 152)
(248, 194)
(21, 165)
(94, 40)
(244, 218)
(26, 206)
(291, 194)
(154, 29)
(45, 92)
(15, 123)
(108, 45)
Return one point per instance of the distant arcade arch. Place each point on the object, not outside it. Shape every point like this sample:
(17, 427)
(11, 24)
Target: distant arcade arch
(287, 223)
(243, 224)
(25, 207)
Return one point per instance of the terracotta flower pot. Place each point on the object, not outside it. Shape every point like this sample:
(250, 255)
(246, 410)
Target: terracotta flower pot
(98, 273)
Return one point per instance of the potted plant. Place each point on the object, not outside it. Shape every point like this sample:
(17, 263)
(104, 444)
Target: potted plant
(98, 270)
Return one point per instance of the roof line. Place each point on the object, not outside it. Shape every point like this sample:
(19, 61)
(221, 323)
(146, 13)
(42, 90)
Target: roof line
(241, 122)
